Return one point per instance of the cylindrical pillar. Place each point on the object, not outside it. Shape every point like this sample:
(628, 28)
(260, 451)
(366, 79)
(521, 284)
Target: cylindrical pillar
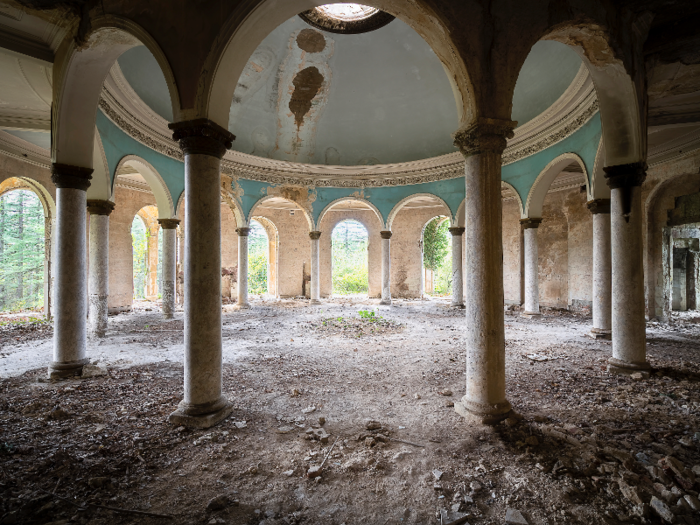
(168, 269)
(315, 267)
(532, 277)
(204, 144)
(482, 145)
(457, 288)
(386, 267)
(70, 285)
(602, 285)
(628, 320)
(243, 268)
(98, 278)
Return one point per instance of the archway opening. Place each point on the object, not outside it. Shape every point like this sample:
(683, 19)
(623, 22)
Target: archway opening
(147, 246)
(22, 251)
(139, 243)
(437, 263)
(258, 259)
(349, 248)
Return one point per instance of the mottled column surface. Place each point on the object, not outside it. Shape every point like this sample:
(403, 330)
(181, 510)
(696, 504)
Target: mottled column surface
(70, 284)
(315, 267)
(98, 279)
(482, 144)
(532, 275)
(457, 288)
(243, 268)
(602, 275)
(628, 321)
(204, 143)
(386, 267)
(168, 269)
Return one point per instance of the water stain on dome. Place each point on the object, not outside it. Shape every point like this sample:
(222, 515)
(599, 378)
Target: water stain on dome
(311, 41)
(306, 83)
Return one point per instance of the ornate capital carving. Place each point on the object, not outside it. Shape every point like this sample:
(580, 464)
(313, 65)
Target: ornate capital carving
(169, 224)
(626, 175)
(243, 232)
(202, 137)
(530, 223)
(456, 231)
(486, 135)
(314, 235)
(385, 234)
(599, 206)
(75, 177)
(99, 207)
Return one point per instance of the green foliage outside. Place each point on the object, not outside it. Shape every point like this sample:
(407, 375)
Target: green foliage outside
(349, 251)
(258, 249)
(21, 251)
(437, 245)
(139, 240)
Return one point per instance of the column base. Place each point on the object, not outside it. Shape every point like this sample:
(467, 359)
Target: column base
(616, 366)
(58, 370)
(530, 315)
(244, 306)
(315, 301)
(168, 316)
(484, 414)
(457, 305)
(198, 416)
(385, 302)
(598, 333)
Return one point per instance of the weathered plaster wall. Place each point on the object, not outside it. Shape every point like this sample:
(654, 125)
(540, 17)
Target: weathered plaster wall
(553, 252)
(512, 252)
(580, 250)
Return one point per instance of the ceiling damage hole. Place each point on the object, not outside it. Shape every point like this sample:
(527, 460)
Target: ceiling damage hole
(311, 41)
(307, 84)
(348, 19)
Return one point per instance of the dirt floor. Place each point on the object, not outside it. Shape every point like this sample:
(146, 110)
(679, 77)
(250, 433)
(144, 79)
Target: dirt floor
(591, 448)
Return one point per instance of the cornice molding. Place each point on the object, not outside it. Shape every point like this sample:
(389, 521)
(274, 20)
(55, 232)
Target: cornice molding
(22, 150)
(572, 110)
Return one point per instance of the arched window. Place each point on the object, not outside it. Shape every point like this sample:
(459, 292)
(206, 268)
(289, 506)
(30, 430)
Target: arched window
(258, 259)
(139, 240)
(350, 241)
(437, 263)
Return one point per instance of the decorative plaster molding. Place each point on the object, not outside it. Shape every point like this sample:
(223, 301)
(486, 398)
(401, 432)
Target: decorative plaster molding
(22, 150)
(675, 149)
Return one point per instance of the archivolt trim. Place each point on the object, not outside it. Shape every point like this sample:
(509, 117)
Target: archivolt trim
(258, 203)
(164, 201)
(399, 206)
(539, 189)
(351, 198)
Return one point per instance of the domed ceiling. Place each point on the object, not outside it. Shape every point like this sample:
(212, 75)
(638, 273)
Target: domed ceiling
(379, 97)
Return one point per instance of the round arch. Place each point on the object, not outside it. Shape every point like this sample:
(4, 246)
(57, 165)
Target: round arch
(164, 201)
(259, 203)
(396, 209)
(599, 188)
(24, 183)
(538, 192)
(346, 199)
(272, 254)
(233, 205)
(80, 69)
(246, 28)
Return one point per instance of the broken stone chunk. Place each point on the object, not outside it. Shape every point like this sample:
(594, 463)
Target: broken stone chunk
(515, 517)
(240, 424)
(218, 503)
(630, 493)
(372, 425)
(437, 474)
(662, 509)
(284, 430)
(93, 371)
(692, 502)
(58, 414)
(288, 473)
(308, 410)
(475, 486)
(313, 472)
(445, 393)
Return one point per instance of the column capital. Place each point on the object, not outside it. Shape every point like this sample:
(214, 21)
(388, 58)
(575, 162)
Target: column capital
(73, 177)
(169, 224)
(385, 234)
(530, 223)
(599, 206)
(315, 235)
(486, 135)
(243, 232)
(626, 175)
(99, 207)
(457, 231)
(202, 137)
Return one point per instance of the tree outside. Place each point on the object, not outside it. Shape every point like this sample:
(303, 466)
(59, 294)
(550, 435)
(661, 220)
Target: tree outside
(437, 245)
(258, 249)
(349, 251)
(21, 251)
(139, 239)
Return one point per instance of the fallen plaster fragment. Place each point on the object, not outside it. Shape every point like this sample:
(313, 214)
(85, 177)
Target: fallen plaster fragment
(515, 517)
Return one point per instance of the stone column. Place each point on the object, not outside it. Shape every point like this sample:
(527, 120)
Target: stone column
(386, 267)
(152, 260)
(169, 270)
(628, 321)
(602, 286)
(315, 268)
(98, 278)
(532, 276)
(457, 288)
(482, 144)
(70, 285)
(243, 268)
(203, 143)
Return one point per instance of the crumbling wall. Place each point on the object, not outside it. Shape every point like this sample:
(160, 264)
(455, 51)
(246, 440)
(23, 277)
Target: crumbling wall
(229, 253)
(512, 252)
(580, 251)
(374, 262)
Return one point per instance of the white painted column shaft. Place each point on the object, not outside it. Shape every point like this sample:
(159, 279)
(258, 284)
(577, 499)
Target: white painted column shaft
(98, 278)
(169, 266)
(386, 267)
(243, 267)
(457, 287)
(532, 277)
(602, 273)
(315, 267)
